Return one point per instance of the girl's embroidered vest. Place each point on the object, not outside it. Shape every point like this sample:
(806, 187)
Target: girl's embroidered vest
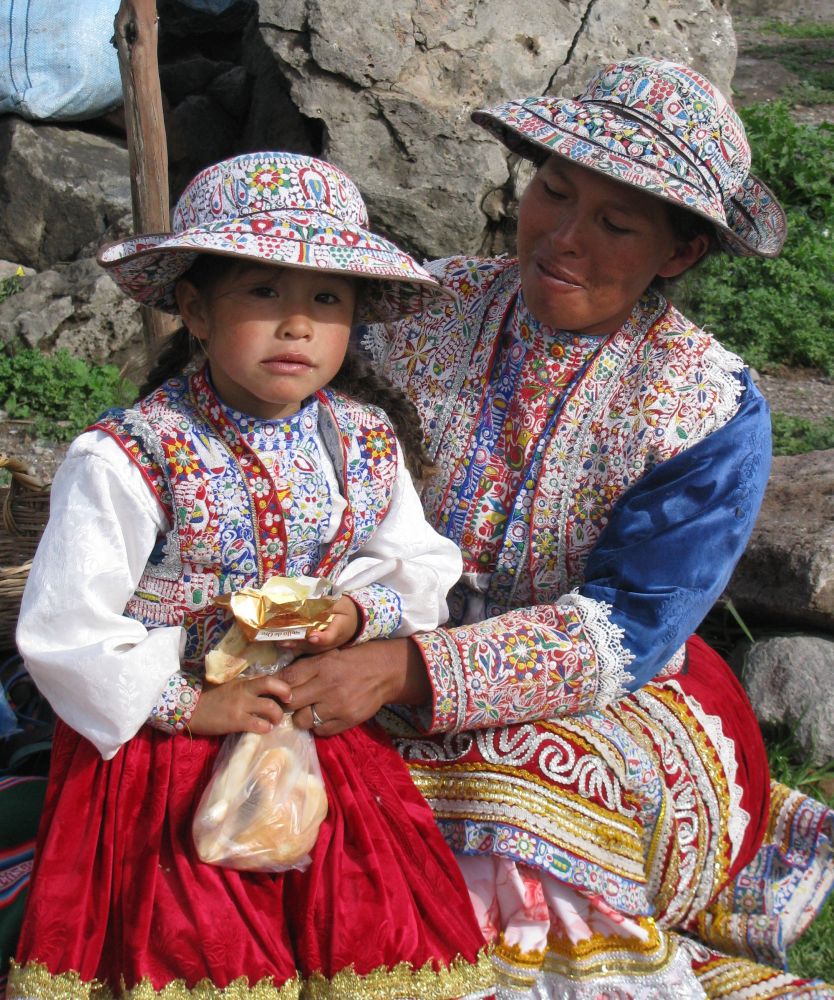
(227, 525)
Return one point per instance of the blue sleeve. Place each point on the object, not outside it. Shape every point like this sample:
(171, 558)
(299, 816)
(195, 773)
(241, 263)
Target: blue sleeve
(673, 540)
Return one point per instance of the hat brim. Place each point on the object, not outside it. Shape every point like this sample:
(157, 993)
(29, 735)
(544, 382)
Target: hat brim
(752, 223)
(147, 267)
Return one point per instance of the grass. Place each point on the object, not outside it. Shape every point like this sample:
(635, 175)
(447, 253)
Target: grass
(799, 29)
(795, 435)
(804, 52)
(808, 58)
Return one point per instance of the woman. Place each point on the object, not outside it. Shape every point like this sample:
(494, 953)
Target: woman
(600, 461)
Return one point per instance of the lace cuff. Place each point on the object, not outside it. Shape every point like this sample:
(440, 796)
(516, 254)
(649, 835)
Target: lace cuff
(176, 704)
(606, 637)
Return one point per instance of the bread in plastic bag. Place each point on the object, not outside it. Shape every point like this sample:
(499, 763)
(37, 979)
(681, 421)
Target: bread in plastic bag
(264, 803)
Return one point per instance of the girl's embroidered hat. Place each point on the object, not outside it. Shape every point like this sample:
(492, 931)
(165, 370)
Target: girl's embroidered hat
(275, 208)
(660, 127)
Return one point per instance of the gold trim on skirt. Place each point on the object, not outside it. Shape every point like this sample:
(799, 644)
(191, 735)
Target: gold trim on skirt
(461, 979)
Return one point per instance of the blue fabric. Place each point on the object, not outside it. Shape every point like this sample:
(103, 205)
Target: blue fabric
(56, 59)
(8, 720)
(210, 6)
(674, 538)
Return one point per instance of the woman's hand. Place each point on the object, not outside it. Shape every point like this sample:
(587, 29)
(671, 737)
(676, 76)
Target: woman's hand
(240, 706)
(349, 686)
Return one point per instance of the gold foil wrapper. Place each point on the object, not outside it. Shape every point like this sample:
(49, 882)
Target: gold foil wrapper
(286, 607)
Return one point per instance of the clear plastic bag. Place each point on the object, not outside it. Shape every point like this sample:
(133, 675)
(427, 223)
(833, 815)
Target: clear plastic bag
(264, 803)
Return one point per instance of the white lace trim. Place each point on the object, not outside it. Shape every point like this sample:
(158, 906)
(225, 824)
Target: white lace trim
(607, 639)
(677, 980)
(722, 366)
(738, 818)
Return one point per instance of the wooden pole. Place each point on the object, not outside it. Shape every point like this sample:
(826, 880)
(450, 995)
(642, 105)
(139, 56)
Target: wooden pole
(136, 43)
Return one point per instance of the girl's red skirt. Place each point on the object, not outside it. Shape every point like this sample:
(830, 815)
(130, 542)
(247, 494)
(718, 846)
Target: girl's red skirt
(119, 895)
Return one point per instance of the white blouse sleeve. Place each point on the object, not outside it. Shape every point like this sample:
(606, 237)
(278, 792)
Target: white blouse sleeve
(101, 671)
(401, 576)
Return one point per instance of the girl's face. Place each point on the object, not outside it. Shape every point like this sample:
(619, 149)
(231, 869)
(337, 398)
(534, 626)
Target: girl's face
(589, 246)
(273, 335)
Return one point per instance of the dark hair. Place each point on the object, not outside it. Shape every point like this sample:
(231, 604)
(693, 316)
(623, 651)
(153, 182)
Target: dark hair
(356, 377)
(686, 226)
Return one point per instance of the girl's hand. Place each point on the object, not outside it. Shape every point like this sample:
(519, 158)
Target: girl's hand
(349, 686)
(340, 631)
(240, 706)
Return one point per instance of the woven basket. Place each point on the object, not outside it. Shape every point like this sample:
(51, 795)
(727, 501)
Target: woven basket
(25, 508)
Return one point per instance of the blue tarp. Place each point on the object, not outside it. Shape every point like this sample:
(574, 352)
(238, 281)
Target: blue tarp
(57, 61)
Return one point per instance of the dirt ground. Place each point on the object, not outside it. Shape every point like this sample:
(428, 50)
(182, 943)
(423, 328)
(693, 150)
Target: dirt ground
(759, 77)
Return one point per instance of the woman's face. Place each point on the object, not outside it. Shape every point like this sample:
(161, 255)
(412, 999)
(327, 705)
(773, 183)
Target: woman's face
(589, 246)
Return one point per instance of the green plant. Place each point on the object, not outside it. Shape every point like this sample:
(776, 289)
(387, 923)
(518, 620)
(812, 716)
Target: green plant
(59, 393)
(11, 284)
(796, 161)
(778, 312)
(771, 312)
(794, 435)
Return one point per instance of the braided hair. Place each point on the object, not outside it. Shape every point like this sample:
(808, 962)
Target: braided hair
(356, 378)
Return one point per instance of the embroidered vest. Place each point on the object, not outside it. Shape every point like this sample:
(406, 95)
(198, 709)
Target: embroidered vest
(656, 386)
(227, 523)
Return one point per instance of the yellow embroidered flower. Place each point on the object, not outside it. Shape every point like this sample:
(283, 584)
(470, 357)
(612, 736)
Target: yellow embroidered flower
(181, 459)
(376, 446)
(521, 653)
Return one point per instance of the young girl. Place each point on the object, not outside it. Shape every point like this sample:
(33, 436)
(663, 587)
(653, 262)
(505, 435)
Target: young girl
(264, 460)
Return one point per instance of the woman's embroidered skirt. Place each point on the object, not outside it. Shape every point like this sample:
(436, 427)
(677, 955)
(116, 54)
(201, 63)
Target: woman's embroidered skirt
(635, 853)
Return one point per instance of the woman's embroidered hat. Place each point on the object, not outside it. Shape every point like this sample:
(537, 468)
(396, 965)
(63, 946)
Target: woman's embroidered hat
(660, 127)
(275, 208)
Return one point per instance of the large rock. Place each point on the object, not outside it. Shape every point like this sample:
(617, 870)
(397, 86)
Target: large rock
(787, 571)
(386, 92)
(790, 680)
(78, 307)
(62, 190)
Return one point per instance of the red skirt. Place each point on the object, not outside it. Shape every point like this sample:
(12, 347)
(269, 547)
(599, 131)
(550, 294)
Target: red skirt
(119, 895)
(708, 679)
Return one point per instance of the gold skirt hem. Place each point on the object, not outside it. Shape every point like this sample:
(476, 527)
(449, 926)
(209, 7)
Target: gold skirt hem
(461, 980)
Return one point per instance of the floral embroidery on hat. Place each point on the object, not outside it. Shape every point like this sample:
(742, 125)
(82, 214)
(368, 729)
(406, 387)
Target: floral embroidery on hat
(277, 208)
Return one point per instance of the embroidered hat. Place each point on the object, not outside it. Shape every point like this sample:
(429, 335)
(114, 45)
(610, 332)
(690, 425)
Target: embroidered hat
(276, 208)
(660, 127)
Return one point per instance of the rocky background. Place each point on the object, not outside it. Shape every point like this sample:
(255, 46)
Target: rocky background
(385, 91)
